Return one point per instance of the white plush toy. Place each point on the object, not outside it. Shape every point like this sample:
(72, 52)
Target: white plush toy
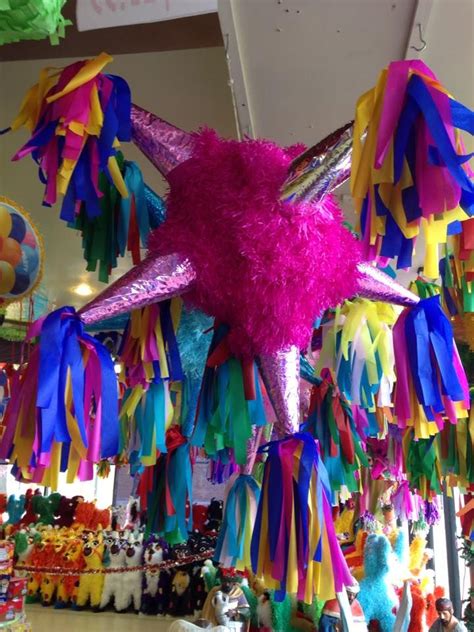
(153, 556)
(131, 585)
(113, 581)
(186, 626)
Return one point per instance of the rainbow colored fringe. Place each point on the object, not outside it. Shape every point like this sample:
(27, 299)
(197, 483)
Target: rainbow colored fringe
(63, 411)
(230, 402)
(331, 422)
(123, 224)
(358, 348)
(235, 534)
(294, 546)
(410, 172)
(431, 382)
(77, 116)
(151, 369)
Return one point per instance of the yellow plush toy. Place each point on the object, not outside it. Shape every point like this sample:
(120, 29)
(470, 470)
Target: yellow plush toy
(92, 584)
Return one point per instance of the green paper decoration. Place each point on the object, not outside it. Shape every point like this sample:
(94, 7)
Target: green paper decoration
(32, 20)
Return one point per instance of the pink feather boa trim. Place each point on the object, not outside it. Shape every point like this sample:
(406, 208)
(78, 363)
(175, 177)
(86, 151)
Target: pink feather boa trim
(264, 267)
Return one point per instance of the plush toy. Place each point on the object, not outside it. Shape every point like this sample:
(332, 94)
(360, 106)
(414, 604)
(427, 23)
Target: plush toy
(15, 509)
(54, 553)
(131, 588)
(24, 545)
(214, 516)
(377, 595)
(180, 598)
(154, 555)
(199, 517)
(68, 585)
(163, 596)
(91, 585)
(30, 517)
(113, 582)
(133, 516)
(66, 511)
(46, 507)
(3, 506)
(88, 516)
(197, 589)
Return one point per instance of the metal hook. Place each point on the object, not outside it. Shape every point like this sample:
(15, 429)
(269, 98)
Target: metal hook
(420, 35)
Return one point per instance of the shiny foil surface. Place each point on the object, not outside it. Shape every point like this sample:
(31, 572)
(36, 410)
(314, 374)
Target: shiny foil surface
(154, 279)
(321, 168)
(378, 286)
(164, 144)
(281, 375)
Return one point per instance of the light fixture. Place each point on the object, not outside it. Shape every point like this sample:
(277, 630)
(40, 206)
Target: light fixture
(83, 289)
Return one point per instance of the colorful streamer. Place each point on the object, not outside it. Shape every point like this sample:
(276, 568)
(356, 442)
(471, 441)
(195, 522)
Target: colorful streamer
(77, 116)
(409, 173)
(294, 545)
(63, 411)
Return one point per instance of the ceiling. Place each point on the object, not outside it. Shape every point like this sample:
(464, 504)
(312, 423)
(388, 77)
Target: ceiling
(296, 66)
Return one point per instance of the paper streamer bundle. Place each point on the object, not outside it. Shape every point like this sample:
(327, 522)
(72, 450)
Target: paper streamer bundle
(409, 172)
(294, 545)
(359, 348)
(32, 20)
(235, 535)
(431, 382)
(122, 226)
(230, 402)
(151, 363)
(62, 415)
(330, 420)
(166, 489)
(77, 117)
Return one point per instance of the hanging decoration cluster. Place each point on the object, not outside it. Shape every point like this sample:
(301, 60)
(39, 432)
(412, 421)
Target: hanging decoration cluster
(409, 172)
(32, 20)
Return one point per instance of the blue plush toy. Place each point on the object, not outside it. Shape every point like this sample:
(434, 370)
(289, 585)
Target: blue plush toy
(15, 509)
(377, 594)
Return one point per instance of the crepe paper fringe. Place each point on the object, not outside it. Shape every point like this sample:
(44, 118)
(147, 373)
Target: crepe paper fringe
(166, 491)
(331, 422)
(429, 391)
(230, 402)
(77, 117)
(122, 226)
(294, 546)
(63, 411)
(32, 20)
(235, 535)
(410, 172)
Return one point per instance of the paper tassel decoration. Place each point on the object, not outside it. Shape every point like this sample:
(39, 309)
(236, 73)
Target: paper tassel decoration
(331, 422)
(358, 347)
(77, 117)
(122, 226)
(32, 20)
(151, 362)
(166, 489)
(230, 402)
(409, 174)
(431, 382)
(62, 415)
(294, 545)
(235, 534)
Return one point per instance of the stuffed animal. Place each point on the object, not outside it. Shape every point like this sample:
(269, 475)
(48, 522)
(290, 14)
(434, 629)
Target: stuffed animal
(131, 589)
(180, 598)
(3, 506)
(30, 517)
(68, 585)
(46, 508)
(91, 585)
(113, 581)
(377, 595)
(154, 555)
(187, 626)
(197, 588)
(66, 511)
(54, 553)
(214, 516)
(163, 596)
(15, 509)
(132, 519)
